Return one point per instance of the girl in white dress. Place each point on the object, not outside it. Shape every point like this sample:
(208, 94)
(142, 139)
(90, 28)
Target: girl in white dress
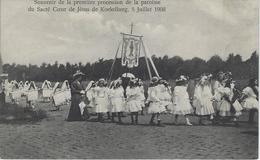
(202, 98)
(101, 99)
(181, 101)
(117, 100)
(216, 87)
(141, 97)
(90, 95)
(155, 107)
(132, 104)
(229, 106)
(165, 94)
(250, 99)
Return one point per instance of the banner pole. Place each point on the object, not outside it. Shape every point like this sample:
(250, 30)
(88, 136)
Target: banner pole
(150, 58)
(146, 60)
(112, 67)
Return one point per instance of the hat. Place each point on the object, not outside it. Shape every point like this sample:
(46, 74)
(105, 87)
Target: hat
(78, 73)
(182, 78)
(102, 80)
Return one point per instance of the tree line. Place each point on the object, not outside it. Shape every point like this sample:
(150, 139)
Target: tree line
(168, 68)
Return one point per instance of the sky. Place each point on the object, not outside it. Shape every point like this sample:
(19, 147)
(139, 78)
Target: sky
(189, 28)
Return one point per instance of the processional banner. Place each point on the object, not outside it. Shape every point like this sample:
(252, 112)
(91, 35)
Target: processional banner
(130, 51)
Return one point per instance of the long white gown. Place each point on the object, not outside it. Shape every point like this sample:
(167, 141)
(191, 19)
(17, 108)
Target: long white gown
(90, 95)
(141, 97)
(202, 100)
(217, 95)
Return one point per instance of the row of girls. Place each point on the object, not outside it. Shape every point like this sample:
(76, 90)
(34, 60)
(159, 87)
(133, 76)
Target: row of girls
(222, 100)
(110, 99)
(218, 103)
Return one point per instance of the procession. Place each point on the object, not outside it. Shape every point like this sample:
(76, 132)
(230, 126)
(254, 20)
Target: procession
(214, 100)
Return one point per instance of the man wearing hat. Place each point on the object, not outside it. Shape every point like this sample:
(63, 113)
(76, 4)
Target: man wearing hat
(77, 92)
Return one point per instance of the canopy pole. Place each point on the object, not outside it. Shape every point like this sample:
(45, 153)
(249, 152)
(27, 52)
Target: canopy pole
(150, 58)
(112, 67)
(146, 60)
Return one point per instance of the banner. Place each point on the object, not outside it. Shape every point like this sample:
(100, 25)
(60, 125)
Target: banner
(130, 51)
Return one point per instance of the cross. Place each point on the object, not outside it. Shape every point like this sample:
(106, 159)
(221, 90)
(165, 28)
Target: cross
(132, 26)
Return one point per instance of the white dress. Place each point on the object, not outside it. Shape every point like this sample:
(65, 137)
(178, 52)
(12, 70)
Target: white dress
(217, 95)
(250, 102)
(181, 102)
(109, 102)
(164, 95)
(155, 105)
(132, 104)
(101, 99)
(225, 106)
(141, 97)
(90, 96)
(117, 99)
(202, 100)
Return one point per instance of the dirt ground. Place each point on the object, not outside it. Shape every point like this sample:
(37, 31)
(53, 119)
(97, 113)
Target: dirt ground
(55, 138)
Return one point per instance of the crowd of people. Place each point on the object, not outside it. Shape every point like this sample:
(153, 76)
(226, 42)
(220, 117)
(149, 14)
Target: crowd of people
(216, 102)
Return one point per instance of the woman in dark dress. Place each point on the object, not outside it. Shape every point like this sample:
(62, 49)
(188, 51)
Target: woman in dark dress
(77, 92)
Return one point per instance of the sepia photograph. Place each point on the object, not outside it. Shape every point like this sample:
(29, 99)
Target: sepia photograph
(129, 79)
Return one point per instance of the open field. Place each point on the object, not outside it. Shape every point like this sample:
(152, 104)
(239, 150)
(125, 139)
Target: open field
(53, 137)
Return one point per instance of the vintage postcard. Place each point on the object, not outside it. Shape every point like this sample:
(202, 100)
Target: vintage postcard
(129, 79)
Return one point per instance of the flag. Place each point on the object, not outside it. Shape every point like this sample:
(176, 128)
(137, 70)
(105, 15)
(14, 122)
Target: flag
(130, 51)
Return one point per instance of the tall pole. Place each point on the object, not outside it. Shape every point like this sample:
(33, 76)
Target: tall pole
(146, 60)
(132, 27)
(150, 58)
(112, 68)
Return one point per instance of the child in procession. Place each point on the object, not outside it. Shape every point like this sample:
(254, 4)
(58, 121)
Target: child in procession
(202, 100)
(181, 102)
(155, 107)
(229, 107)
(101, 99)
(250, 98)
(90, 96)
(132, 104)
(117, 100)
(140, 97)
(165, 94)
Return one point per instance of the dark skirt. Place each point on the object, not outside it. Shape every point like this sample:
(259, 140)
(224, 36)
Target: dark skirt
(74, 113)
